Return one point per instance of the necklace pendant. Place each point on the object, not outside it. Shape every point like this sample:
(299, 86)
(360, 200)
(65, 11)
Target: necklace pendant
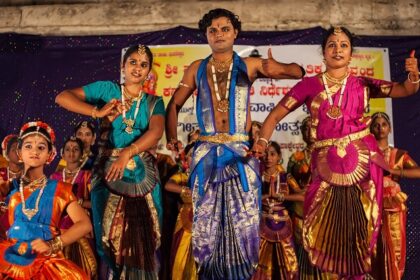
(129, 129)
(223, 106)
(334, 112)
(30, 213)
(129, 125)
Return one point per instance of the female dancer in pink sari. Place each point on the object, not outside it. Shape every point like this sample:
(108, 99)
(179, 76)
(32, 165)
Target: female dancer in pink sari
(342, 208)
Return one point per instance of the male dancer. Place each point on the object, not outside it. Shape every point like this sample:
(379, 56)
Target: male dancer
(225, 182)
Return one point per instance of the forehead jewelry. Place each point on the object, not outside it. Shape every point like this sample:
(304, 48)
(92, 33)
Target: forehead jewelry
(37, 135)
(337, 30)
(141, 50)
(84, 124)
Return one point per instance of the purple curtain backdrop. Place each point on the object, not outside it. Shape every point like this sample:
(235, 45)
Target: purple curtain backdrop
(35, 68)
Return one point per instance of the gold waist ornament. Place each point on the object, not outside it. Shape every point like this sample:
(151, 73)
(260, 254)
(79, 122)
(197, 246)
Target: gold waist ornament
(341, 143)
(222, 138)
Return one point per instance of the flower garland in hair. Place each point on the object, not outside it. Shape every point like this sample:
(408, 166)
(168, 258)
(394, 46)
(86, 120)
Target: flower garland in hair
(48, 129)
(5, 143)
(40, 124)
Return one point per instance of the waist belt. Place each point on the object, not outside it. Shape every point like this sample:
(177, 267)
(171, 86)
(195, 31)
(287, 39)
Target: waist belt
(341, 143)
(222, 138)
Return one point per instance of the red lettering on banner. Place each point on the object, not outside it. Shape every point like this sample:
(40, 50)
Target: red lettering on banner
(313, 69)
(177, 53)
(170, 70)
(274, 90)
(362, 71)
(168, 91)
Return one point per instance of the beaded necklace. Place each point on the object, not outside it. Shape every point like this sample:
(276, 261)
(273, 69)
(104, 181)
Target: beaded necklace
(71, 172)
(41, 182)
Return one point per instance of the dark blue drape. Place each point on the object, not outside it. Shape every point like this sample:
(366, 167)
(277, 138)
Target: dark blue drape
(35, 68)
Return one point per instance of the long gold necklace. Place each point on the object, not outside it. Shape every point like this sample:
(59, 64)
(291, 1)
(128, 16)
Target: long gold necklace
(130, 122)
(334, 112)
(222, 102)
(40, 183)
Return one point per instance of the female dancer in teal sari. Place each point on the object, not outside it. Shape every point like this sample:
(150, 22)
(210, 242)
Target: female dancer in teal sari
(126, 202)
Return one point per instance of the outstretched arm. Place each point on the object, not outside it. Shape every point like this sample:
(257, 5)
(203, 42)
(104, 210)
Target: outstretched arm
(182, 93)
(412, 173)
(411, 85)
(270, 68)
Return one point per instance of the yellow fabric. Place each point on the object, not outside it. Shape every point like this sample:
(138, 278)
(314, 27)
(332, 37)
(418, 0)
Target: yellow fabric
(184, 266)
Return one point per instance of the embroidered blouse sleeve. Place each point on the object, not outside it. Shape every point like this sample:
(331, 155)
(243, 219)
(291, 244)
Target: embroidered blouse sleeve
(296, 96)
(100, 92)
(377, 88)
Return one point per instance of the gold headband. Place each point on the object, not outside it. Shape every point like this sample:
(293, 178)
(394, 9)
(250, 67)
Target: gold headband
(36, 133)
(382, 115)
(337, 30)
(141, 50)
(84, 124)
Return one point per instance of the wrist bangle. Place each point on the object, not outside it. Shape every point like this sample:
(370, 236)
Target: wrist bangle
(56, 245)
(94, 112)
(413, 82)
(183, 85)
(136, 148)
(49, 253)
(264, 140)
(80, 201)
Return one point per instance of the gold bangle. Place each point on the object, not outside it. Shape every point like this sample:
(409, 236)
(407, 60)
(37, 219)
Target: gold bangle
(130, 152)
(80, 201)
(94, 112)
(413, 82)
(183, 85)
(264, 140)
(137, 149)
(280, 196)
(56, 245)
(50, 251)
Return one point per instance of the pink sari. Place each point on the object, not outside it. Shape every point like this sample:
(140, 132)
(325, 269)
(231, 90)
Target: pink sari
(342, 208)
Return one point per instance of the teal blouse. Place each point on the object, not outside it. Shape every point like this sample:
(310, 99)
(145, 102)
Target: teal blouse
(101, 92)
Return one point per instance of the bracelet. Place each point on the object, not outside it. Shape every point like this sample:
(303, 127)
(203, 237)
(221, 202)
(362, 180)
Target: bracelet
(280, 197)
(264, 140)
(184, 85)
(56, 245)
(49, 251)
(137, 149)
(130, 151)
(80, 201)
(94, 112)
(413, 82)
